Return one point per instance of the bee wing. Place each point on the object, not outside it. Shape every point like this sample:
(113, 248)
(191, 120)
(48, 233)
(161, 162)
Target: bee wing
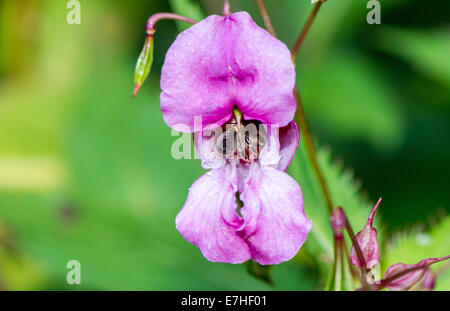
(225, 143)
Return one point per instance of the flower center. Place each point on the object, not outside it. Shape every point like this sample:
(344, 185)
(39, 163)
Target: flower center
(243, 140)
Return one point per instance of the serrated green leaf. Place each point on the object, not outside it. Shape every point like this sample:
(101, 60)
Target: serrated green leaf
(344, 192)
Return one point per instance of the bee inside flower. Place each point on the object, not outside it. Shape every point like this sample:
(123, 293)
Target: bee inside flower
(240, 139)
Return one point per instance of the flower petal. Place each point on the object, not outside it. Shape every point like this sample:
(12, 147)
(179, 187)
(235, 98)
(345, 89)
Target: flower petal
(194, 77)
(289, 138)
(265, 73)
(209, 220)
(275, 223)
(408, 280)
(221, 62)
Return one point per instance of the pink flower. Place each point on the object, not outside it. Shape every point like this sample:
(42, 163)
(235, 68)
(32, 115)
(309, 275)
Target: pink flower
(222, 69)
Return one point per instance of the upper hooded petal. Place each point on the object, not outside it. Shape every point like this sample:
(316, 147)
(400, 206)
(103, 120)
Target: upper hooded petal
(221, 62)
(275, 223)
(209, 220)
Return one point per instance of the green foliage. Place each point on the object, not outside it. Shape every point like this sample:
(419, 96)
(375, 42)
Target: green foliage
(263, 273)
(351, 106)
(344, 192)
(86, 173)
(187, 8)
(425, 50)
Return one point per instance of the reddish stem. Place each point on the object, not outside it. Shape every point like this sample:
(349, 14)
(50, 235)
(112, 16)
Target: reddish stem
(265, 16)
(151, 22)
(226, 8)
(305, 29)
(358, 251)
(304, 128)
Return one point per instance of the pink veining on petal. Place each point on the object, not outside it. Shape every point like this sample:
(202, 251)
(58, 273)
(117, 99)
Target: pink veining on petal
(208, 218)
(368, 242)
(276, 225)
(222, 62)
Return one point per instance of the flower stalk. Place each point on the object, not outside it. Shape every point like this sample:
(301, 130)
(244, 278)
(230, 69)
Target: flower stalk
(305, 29)
(300, 114)
(265, 17)
(304, 128)
(226, 8)
(145, 59)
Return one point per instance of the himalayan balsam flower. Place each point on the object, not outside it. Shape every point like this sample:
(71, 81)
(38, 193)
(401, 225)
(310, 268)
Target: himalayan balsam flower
(222, 69)
(398, 276)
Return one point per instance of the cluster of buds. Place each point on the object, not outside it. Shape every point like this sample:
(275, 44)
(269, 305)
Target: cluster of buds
(365, 255)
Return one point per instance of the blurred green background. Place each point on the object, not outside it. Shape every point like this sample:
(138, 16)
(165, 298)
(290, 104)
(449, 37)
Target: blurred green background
(86, 172)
